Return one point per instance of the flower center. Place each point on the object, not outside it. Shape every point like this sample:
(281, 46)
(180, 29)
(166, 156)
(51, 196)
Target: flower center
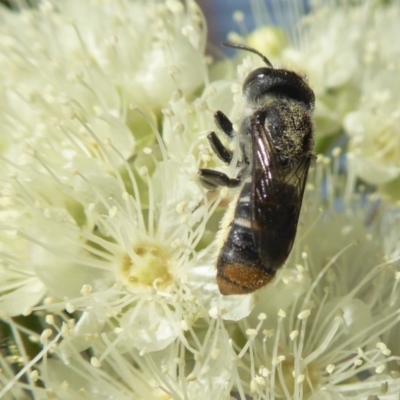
(311, 377)
(149, 264)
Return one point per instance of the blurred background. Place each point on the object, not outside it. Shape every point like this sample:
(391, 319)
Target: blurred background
(230, 16)
(242, 16)
(219, 15)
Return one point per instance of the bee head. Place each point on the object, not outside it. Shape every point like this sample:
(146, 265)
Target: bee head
(267, 81)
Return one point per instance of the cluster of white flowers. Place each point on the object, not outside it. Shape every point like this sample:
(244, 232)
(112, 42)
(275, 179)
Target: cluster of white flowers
(108, 287)
(348, 51)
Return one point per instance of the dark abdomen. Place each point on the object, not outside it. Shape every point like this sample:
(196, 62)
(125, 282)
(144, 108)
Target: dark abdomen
(258, 242)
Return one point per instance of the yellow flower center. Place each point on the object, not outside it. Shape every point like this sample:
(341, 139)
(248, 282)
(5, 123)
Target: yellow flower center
(149, 264)
(311, 377)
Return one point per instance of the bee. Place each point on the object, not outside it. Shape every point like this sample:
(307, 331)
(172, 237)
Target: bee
(276, 139)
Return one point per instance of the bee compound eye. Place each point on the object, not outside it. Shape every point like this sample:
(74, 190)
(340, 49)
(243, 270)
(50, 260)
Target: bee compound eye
(256, 75)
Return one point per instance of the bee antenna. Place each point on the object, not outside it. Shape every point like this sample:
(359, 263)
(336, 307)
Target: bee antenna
(244, 47)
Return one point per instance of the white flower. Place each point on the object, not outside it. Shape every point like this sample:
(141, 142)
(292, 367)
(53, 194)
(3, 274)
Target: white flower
(192, 368)
(374, 138)
(373, 130)
(20, 288)
(322, 328)
(133, 247)
(347, 52)
(187, 124)
(108, 54)
(325, 46)
(319, 328)
(113, 229)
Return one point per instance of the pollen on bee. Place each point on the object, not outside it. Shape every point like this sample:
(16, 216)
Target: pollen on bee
(241, 279)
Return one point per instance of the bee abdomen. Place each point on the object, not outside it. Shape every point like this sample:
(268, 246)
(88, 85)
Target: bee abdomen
(240, 270)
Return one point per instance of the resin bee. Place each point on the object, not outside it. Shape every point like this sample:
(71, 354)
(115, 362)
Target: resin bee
(275, 142)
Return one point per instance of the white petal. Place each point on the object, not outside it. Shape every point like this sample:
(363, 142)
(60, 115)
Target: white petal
(20, 300)
(149, 327)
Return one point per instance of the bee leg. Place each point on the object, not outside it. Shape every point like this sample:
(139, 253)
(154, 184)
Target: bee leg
(224, 124)
(211, 179)
(218, 148)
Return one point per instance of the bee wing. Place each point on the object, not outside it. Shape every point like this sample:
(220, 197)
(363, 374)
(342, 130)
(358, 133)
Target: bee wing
(276, 199)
